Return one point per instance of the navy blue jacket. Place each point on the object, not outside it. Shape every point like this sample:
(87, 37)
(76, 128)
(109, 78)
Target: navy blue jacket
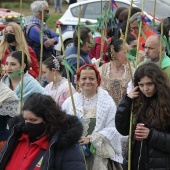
(63, 152)
(73, 61)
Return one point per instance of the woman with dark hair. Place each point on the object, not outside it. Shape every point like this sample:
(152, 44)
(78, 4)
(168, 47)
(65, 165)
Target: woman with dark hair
(117, 13)
(149, 103)
(58, 86)
(115, 75)
(96, 109)
(12, 77)
(45, 139)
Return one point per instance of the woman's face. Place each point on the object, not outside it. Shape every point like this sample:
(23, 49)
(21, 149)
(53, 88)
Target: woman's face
(9, 29)
(132, 45)
(147, 86)
(12, 65)
(47, 73)
(9, 35)
(88, 81)
(31, 118)
(122, 55)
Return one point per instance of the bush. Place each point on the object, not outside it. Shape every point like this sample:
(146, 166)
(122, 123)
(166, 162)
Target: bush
(15, 5)
(52, 20)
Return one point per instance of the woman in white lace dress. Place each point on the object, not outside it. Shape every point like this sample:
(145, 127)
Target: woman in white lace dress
(9, 107)
(96, 109)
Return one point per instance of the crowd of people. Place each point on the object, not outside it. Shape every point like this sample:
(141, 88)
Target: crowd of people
(59, 126)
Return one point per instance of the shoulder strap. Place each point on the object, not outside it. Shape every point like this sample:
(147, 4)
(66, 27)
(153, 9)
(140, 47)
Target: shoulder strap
(73, 56)
(37, 159)
(29, 27)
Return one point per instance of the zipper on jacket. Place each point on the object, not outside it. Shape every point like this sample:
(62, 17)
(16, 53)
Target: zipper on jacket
(49, 156)
(141, 145)
(7, 143)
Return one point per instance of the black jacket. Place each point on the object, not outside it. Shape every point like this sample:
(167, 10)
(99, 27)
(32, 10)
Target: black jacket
(63, 152)
(157, 145)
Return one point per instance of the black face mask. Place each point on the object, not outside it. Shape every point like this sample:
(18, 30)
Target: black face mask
(10, 38)
(34, 130)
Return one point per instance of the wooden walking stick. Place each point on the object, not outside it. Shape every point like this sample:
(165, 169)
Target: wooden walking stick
(78, 47)
(161, 43)
(154, 12)
(22, 68)
(69, 83)
(140, 27)
(67, 71)
(130, 69)
(103, 29)
(41, 45)
(128, 20)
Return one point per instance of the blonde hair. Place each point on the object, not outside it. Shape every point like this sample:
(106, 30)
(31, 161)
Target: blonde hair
(19, 38)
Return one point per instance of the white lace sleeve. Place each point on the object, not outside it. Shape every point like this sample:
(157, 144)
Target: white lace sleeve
(103, 148)
(10, 107)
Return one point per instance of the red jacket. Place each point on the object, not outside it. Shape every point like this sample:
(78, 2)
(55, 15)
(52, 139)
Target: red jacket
(95, 51)
(25, 153)
(34, 68)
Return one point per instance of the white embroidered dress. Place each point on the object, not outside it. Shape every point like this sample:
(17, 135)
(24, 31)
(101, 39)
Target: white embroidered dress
(105, 137)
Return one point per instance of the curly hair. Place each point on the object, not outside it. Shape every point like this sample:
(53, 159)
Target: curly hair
(46, 108)
(153, 111)
(19, 38)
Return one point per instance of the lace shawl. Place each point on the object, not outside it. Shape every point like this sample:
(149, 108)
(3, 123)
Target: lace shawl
(105, 124)
(9, 103)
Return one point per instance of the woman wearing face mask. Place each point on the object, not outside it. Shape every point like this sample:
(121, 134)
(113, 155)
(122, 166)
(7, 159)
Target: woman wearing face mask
(132, 47)
(9, 107)
(96, 109)
(149, 103)
(115, 75)
(12, 78)
(46, 139)
(58, 86)
(14, 40)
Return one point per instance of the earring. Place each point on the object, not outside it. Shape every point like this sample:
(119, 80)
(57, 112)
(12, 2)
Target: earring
(54, 78)
(113, 53)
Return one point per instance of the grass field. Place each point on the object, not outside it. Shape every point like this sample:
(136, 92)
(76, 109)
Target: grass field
(51, 22)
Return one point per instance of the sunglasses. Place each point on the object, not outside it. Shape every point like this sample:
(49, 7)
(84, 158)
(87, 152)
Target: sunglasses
(47, 11)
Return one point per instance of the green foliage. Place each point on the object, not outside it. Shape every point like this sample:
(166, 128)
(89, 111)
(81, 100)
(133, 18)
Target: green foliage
(15, 5)
(51, 22)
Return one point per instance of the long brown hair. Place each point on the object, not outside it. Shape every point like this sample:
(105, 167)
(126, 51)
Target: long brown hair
(157, 114)
(20, 41)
